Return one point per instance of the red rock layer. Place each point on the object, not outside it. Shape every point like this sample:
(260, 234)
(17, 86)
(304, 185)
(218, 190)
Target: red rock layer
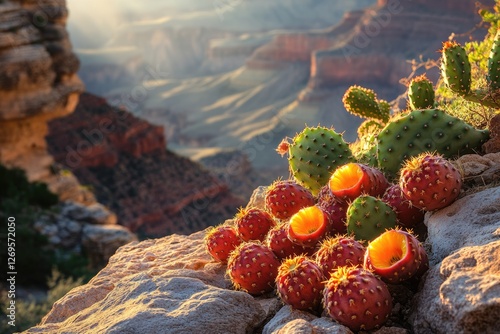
(123, 158)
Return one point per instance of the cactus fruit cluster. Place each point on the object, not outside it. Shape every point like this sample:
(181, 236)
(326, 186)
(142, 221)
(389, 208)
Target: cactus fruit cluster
(336, 253)
(334, 235)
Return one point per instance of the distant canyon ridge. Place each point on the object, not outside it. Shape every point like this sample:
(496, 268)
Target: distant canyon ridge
(254, 72)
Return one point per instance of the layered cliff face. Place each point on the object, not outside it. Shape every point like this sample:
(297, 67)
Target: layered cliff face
(38, 82)
(37, 76)
(371, 45)
(152, 190)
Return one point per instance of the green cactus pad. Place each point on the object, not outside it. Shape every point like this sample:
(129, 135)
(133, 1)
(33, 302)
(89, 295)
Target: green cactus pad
(363, 102)
(421, 93)
(368, 128)
(314, 154)
(385, 109)
(494, 63)
(369, 217)
(429, 130)
(455, 68)
(369, 157)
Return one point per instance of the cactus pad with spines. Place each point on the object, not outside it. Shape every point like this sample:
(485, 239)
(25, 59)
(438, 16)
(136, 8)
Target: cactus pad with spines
(455, 68)
(363, 102)
(368, 128)
(368, 217)
(425, 130)
(494, 63)
(314, 154)
(421, 93)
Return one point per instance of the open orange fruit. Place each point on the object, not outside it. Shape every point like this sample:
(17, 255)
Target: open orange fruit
(395, 256)
(353, 179)
(308, 226)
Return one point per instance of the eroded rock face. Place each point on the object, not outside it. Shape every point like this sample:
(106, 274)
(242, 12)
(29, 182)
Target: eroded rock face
(124, 158)
(462, 289)
(38, 81)
(372, 45)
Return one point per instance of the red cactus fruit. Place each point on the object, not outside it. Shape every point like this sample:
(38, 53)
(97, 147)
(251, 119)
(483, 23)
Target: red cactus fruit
(308, 226)
(253, 224)
(277, 240)
(221, 241)
(408, 215)
(395, 256)
(252, 267)
(284, 198)
(353, 179)
(430, 182)
(356, 298)
(339, 252)
(300, 283)
(335, 209)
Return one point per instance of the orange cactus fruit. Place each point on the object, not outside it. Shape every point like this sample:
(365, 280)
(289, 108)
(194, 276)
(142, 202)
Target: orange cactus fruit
(353, 179)
(308, 226)
(395, 256)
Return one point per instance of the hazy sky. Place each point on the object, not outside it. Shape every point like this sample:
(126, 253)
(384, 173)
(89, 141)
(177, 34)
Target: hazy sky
(93, 23)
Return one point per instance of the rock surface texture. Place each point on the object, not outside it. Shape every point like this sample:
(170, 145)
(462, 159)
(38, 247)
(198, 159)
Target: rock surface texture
(172, 282)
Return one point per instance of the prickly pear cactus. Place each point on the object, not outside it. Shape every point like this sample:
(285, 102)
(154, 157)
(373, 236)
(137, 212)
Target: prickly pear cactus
(314, 154)
(368, 217)
(494, 63)
(369, 156)
(368, 128)
(455, 68)
(363, 102)
(421, 93)
(425, 130)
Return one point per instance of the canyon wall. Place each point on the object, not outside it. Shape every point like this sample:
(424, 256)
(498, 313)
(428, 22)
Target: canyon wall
(123, 158)
(38, 82)
(372, 45)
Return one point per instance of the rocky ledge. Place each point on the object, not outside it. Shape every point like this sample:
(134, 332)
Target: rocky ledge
(173, 283)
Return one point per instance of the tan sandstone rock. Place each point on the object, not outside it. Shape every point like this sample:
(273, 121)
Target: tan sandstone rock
(461, 293)
(154, 285)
